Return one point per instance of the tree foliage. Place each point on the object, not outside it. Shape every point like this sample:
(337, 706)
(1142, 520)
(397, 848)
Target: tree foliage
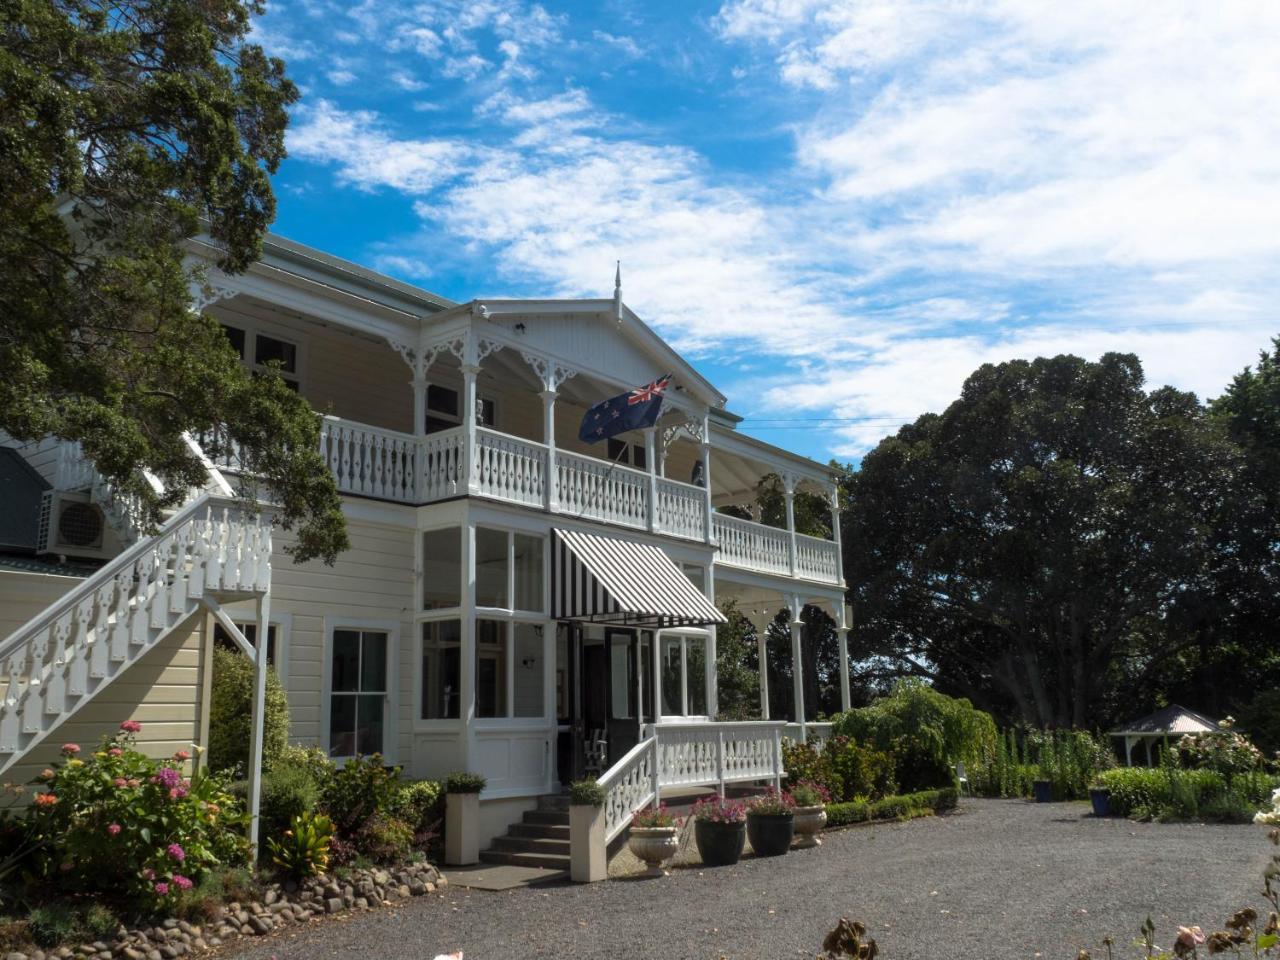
(1028, 547)
(126, 129)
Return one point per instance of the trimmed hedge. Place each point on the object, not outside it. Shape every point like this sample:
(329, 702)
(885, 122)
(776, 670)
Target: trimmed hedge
(230, 710)
(1169, 793)
(906, 806)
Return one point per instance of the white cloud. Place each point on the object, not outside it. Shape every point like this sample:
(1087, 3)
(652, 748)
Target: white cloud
(341, 78)
(626, 45)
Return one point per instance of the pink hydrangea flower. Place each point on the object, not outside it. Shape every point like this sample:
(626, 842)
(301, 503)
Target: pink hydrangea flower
(114, 829)
(116, 752)
(162, 888)
(71, 749)
(131, 726)
(175, 850)
(182, 756)
(181, 882)
(148, 874)
(120, 782)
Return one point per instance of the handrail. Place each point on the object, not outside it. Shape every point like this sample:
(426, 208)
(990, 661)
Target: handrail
(628, 785)
(87, 587)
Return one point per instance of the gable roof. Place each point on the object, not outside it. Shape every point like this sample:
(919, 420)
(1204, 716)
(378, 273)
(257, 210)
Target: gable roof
(1173, 720)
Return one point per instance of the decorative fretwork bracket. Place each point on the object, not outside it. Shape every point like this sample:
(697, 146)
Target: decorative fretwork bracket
(207, 294)
(552, 373)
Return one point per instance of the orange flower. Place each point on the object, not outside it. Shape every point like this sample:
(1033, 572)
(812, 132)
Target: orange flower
(45, 800)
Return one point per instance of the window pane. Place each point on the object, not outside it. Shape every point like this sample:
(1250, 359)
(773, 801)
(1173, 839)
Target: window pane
(442, 568)
(562, 671)
(696, 661)
(369, 723)
(491, 568)
(621, 677)
(435, 424)
(342, 725)
(491, 668)
(671, 699)
(528, 654)
(346, 661)
(235, 337)
(637, 457)
(617, 451)
(441, 669)
(646, 676)
(486, 414)
(269, 349)
(442, 400)
(373, 663)
(528, 572)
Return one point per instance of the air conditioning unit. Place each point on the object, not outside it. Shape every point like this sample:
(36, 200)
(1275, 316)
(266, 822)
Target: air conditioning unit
(71, 526)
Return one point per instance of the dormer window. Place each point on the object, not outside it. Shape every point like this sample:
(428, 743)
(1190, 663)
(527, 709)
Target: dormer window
(444, 409)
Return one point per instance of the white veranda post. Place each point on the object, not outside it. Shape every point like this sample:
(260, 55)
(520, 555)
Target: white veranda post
(256, 718)
(797, 663)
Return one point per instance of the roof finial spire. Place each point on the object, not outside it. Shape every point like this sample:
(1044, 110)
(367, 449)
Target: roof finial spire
(617, 293)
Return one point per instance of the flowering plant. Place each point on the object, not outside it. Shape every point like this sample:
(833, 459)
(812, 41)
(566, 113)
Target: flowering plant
(1225, 750)
(771, 804)
(658, 816)
(120, 821)
(809, 794)
(720, 810)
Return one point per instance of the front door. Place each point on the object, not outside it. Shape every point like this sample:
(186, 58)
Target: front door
(624, 694)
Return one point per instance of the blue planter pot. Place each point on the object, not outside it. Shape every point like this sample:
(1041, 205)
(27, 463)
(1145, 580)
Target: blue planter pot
(1043, 791)
(1101, 799)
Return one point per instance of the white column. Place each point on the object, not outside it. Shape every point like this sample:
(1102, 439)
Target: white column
(797, 662)
(657, 675)
(467, 668)
(469, 373)
(789, 492)
(846, 698)
(551, 498)
(835, 533)
(651, 508)
(709, 532)
(713, 705)
(762, 644)
(419, 385)
(256, 711)
(549, 702)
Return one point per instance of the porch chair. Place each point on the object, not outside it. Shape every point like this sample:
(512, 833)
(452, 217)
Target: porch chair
(961, 778)
(597, 750)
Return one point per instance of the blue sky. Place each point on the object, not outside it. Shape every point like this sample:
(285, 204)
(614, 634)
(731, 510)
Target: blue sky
(836, 208)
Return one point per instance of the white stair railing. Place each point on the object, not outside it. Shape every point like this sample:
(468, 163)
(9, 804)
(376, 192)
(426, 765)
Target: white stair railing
(629, 785)
(61, 658)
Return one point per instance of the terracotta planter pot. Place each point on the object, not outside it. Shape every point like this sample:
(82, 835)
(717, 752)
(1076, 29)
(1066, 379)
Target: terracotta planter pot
(720, 844)
(770, 833)
(810, 822)
(654, 845)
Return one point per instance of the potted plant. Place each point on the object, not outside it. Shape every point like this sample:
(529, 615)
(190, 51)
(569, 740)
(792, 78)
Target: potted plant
(462, 818)
(1100, 797)
(1042, 785)
(771, 823)
(811, 801)
(720, 830)
(587, 860)
(653, 837)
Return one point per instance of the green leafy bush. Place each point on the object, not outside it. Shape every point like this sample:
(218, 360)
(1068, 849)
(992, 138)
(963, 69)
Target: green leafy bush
(904, 807)
(385, 839)
(288, 792)
(419, 803)
(844, 768)
(121, 823)
(1069, 759)
(230, 709)
(462, 782)
(586, 793)
(358, 791)
(303, 849)
(1169, 793)
(926, 733)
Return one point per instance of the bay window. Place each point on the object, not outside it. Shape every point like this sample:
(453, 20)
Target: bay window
(509, 668)
(441, 670)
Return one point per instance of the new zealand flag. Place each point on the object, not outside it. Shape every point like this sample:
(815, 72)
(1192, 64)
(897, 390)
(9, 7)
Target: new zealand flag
(627, 411)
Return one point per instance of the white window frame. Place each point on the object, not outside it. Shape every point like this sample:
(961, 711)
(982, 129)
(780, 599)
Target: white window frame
(283, 622)
(252, 329)
(631, 450)
(684, 636)
(427, 724)
(509, 620)
(456, 419)
(391, 710)
(500, 613)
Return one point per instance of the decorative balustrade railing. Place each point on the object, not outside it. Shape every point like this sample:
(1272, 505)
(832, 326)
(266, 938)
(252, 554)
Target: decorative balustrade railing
(628, 786)
(752, 546)
(125, 512)
(816, 559)
(509, 468)
(444, 465)
(371, 461)
(680, 510)
(596, 490)
(808, 732)
(59, 660)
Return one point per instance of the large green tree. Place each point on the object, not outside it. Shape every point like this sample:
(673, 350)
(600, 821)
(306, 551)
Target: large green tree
(1025, 547)
(127, 128)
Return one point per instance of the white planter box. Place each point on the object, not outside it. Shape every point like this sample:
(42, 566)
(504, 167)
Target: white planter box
(462, 829)
(588, 862)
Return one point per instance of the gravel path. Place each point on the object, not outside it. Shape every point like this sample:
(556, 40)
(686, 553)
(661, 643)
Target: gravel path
(996, 880)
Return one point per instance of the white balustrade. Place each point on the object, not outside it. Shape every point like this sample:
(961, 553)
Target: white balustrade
(815, 733)
(681, 509)
(509, 468)
(816, 559)
(443, 457)
(628, 786)
(370, 461)
(752, 546)
(61, 658)
(596, 490)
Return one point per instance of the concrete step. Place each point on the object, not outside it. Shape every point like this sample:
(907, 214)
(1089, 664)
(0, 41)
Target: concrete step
(546, 860)
(551, 818)
(551, 831)
(554, 801)
(510, 844)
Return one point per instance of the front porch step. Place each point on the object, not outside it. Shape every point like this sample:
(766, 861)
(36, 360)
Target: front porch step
(548, 861)
(558, 802)
(510, 844)
(547, 817)
(546, 830)
(539, 839)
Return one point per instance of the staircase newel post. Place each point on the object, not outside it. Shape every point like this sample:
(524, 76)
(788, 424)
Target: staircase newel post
(656, 774)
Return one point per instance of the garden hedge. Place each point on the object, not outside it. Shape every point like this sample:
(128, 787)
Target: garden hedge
(903, 807)
(230, 710)
(1169, 793)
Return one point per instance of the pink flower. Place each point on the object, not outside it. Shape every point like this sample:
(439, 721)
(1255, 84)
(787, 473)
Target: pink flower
(116, 752)
(182, 756)
(176, 851)
(181, 882)
(1190, 936)
(114, 829)
(71, 749)
(148, 874)
(131, 782)
(162, 888)
(131, 726)
(120, 782)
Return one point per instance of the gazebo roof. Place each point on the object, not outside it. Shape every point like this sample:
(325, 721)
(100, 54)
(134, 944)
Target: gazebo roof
(1173, 720)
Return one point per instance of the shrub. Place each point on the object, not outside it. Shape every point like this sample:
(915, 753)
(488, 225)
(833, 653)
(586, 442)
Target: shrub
(1169, 793)
(809, 794)
(926, 733)
(100, 921)
(804, 761)
(359, 790)
(303, 849)
(586, 793)
(122, 823)
(230, 709)
(288, 791)
(385, 839)
(904, 807)
(859, 771)
(1069, 759)
(419, 803)
(1224, 751)
(51, 924)
(462, 782)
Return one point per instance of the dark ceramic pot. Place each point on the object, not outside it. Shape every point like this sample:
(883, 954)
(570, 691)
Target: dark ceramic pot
(719, 844)
(1101, 799)
(1043, 791)
(770, 833)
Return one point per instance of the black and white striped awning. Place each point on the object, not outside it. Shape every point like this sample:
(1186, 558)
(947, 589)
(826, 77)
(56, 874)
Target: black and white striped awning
(605, 580)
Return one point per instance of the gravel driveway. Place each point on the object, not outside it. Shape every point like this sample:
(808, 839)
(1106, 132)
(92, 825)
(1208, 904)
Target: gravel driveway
(996, 880)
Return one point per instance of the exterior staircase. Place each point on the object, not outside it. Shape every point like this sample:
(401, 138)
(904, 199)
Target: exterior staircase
(540, 839)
